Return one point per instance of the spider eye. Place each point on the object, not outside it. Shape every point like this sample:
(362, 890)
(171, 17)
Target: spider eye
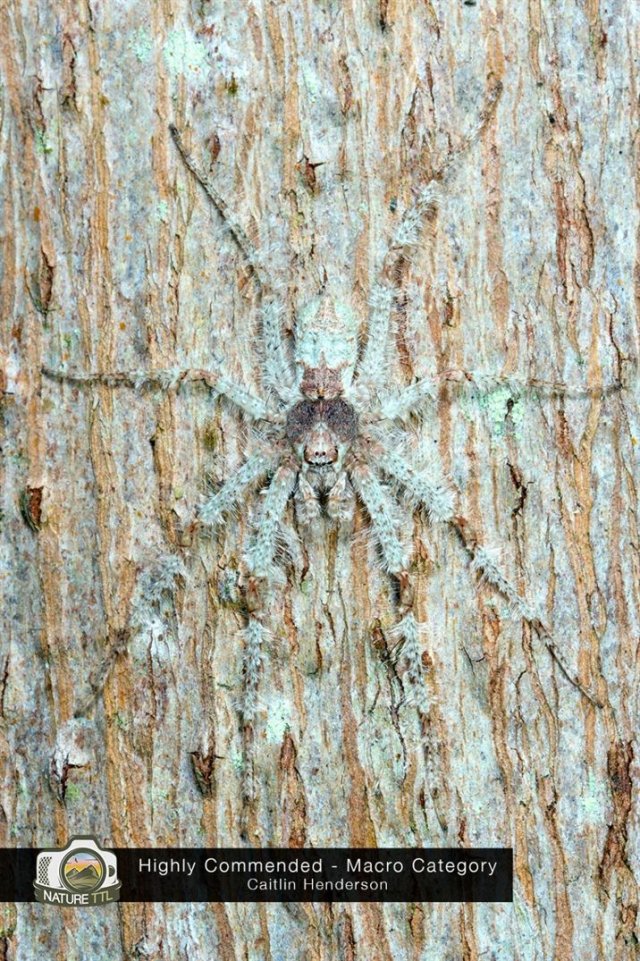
(300, 420)
(340, 418)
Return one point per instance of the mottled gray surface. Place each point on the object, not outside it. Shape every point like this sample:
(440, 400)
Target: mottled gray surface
(113, 261)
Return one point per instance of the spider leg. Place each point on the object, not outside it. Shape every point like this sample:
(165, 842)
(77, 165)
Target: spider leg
(434, 495)
(439, 503)
(262, 548)
(225, 499)
(479, 382)
(243, 399)
(371, 369)
(238, 233)
(255, 635)
(407, 632)
(407, 654)
(259, 557)
(164, 379)
(408, 230)
(438, 500)
(397, 405)
(278, 373)
(384, 516)
(483, 560)
(411, 399)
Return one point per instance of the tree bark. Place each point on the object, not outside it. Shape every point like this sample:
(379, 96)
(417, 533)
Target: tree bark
(121, 652)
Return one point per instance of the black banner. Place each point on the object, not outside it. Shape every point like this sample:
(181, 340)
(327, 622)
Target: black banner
(267, 874)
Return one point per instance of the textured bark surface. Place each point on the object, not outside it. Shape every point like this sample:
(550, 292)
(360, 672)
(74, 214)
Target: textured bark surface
(319, 120)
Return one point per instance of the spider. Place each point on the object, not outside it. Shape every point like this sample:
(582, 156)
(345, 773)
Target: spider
(329, 429)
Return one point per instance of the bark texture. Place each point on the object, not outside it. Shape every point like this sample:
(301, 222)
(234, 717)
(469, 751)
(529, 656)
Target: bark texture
(121, 651)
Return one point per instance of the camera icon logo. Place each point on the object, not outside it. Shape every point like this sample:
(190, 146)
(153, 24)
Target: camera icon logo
(81, 874)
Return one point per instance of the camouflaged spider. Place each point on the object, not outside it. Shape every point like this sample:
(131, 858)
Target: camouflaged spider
(329, 427)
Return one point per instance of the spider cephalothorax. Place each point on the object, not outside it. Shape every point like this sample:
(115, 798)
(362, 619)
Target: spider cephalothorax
(321, 433)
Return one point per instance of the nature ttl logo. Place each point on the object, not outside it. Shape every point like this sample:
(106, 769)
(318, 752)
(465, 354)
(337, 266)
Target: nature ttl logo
(82, 874)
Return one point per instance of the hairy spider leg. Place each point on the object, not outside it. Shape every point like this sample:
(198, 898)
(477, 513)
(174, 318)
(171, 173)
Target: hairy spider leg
(138, 379)
(438, 502)
(411, 399)
(254, 634)
(228, 497)
(278, 373)
(480, 382)
(435, 496)
(407, 233)
(483, 561)
(244, 400)
(261, 550)
(406, 634)
(373, 361)
(384, 517)
(259, 557)
(396, 405)
(237, 231)
(253, 658)
(371, 369)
